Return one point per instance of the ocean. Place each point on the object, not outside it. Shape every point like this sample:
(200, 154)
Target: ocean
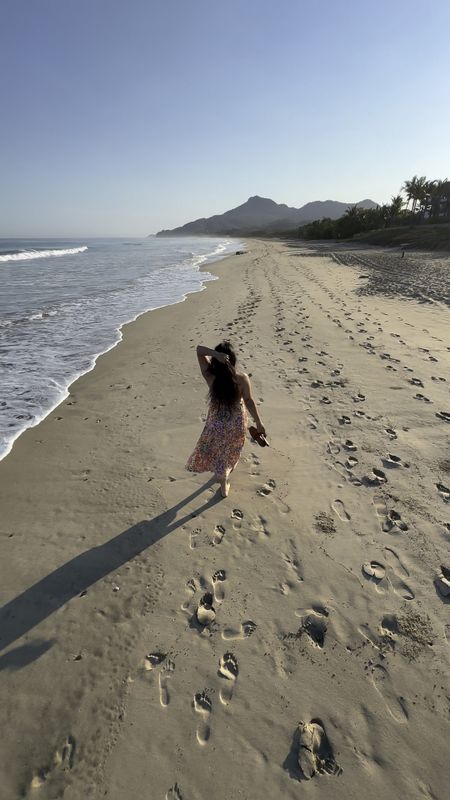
(63, 303)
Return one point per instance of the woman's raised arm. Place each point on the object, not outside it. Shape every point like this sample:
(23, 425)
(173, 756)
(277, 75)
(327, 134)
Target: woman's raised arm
(204, 355)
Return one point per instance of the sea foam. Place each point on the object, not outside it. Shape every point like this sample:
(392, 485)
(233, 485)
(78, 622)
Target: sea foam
(28, 255)
(58, 315)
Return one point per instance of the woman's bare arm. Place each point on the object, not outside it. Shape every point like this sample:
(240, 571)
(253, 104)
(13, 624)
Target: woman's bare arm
(204, 355)
(249, 401)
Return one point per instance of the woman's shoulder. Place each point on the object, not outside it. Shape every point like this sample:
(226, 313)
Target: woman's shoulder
(243, 383)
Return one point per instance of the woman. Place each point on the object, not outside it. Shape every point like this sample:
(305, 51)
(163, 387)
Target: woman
(222, 439)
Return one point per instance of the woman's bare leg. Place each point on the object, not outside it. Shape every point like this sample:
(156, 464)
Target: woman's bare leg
(225, 483)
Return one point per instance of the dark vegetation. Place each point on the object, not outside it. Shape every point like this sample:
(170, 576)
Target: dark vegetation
(420, 218)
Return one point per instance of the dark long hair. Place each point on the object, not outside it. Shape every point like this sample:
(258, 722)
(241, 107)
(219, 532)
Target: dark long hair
(224, 391)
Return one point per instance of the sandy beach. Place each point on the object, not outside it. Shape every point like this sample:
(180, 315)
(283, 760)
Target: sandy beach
(325, 671)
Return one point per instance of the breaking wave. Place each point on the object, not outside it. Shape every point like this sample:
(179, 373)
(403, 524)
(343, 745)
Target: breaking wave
(27, 255)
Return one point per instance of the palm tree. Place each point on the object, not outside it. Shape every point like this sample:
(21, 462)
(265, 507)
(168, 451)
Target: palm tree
(384, 214)
(409, 188)
(396, 205)
(414, 190)
(421, 193)
(439, 198)
(444, 207)
(353, 212)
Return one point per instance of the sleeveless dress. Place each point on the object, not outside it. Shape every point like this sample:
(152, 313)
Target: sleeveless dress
(221, 440)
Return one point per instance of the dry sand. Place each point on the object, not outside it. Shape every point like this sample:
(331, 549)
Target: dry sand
(330, 644)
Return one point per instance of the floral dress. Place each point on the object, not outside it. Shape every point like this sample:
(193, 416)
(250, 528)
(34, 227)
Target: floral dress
(221, 440)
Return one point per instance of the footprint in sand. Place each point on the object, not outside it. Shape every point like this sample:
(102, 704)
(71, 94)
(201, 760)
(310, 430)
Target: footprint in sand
(267, 488)
(349, 445)
(422, 397)
(258, 524)
(395, 574)
(344, 420)
(315, 753)
(63, 759)
(315, 626)
(313, 422)
(218, 534)
(389, 627)
(164, 676)
(351, 462)
(191, 587)
(339, 509)
(203, 707)
(254, 462)
(375, 478)
(218, 580)
(394, 521)
(444, 415)
(444, 491)
(194, 538)
(153, 660)
(293, 563)
(373, 571)
(228, 669)
(238, 516)
(245, 630)
(174, 793)
(442, 582)
(383, 684)
(391, 460)
(395, 562)
(333, 447)
(206, 612)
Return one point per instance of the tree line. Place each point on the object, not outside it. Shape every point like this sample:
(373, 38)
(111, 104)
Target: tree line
(420, 200)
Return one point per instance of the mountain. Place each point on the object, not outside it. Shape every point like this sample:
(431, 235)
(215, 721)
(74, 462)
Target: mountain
(259, 214)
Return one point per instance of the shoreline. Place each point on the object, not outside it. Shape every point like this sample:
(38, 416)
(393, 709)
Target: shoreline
(66, 391)
(107, 546)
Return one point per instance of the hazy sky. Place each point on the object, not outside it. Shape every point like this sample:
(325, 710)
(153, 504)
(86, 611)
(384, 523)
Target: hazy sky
(126, 116)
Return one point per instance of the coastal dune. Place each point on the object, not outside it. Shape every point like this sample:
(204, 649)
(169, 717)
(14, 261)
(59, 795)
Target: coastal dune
(158, 641)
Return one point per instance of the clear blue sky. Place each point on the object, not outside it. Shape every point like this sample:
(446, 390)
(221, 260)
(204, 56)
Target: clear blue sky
(125, 116)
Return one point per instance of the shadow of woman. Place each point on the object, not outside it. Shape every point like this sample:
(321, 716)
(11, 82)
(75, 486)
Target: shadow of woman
(25, 654)
(46, 596)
